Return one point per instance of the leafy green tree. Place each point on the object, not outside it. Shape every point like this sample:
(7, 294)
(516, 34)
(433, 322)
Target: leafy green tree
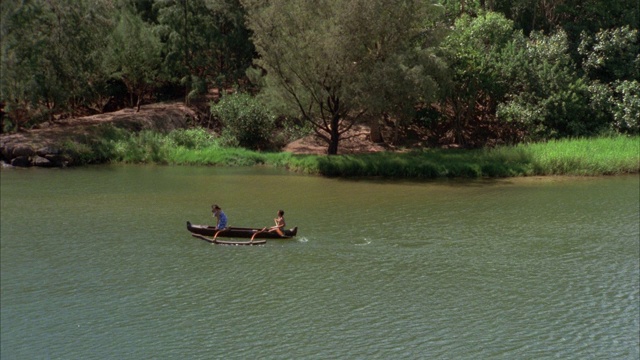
(551, 100)
(611, 60)
(573, 16)
(332, 61)
(617, 104)
(51, 56)
(205, 42)
(133, 55)
(485, 56)
(507, 83)
(18, 60)
(611, 54)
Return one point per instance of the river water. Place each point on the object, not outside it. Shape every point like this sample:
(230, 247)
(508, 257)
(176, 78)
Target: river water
(97, 264)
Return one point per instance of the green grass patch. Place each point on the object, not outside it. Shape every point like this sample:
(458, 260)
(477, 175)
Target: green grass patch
(587, 157)
(583, 157)
(217, 156)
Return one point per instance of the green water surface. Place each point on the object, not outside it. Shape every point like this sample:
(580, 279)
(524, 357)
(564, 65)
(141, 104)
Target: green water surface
(97, 264)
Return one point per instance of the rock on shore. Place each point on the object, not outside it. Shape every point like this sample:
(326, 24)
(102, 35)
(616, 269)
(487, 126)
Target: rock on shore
(43, 146)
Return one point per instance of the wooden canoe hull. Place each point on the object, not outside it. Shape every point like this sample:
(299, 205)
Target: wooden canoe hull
(239, 232)
(221, 242)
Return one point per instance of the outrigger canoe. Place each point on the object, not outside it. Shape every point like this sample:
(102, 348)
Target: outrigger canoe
(239, 232)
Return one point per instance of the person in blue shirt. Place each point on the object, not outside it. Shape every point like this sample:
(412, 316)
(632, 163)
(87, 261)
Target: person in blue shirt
(221, 218)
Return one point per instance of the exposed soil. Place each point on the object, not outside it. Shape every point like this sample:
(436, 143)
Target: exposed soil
(357, 140)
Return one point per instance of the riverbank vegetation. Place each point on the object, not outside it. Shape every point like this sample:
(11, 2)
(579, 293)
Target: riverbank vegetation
(489, 78)
(584, 157)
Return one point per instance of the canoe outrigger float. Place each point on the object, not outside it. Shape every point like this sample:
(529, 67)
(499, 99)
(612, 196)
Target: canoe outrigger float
(221, 242)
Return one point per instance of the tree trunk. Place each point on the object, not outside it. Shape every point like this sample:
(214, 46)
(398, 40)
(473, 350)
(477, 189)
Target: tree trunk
(50, 107)
(333, 145)
(334, 135)
(187, 89)
(2, 113)
(376, 132)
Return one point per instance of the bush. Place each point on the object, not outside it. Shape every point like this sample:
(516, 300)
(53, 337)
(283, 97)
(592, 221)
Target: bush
(245, 120)
(611, 54)
(626, 106)
(192, 138)
(82, 154)
(618, 103)
(555, 100)
(611, 60)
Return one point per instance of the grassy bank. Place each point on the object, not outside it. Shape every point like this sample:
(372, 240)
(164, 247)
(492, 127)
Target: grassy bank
(597, 156)
(584, 157)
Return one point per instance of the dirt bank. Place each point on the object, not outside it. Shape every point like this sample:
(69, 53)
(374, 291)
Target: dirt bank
(42, 146)
(355, 141)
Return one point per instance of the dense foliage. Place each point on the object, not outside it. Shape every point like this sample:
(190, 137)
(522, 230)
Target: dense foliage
(474, 73)
(245, 122)
(335, 61)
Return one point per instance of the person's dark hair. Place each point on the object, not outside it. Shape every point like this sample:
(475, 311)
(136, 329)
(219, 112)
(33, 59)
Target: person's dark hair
(281, 212)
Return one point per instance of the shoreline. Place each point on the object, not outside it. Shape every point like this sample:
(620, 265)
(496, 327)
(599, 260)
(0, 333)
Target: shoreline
(160, 134)
(317, 165)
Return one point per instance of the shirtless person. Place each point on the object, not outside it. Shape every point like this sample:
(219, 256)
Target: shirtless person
(280, 224)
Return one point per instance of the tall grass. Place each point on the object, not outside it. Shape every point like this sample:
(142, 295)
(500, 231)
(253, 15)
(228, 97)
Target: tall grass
(215, 155)
(584, 157)
(595, 156)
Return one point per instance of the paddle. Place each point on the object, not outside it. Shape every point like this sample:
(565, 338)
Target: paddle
(258, 232)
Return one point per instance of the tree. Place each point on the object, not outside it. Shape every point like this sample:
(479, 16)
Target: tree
(332, 61)
(133, 55)
(611, 54)
(551, 100)
(611, 60)
(51, 56)
(483, 54)
(514, 85)
(573, 16)
(205, 42)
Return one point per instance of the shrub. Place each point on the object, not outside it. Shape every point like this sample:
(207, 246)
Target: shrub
(611, 60)
(618, 103)
(82, 154)
(555, 100)
(197, 138)
(245, 120)
(626, 106)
